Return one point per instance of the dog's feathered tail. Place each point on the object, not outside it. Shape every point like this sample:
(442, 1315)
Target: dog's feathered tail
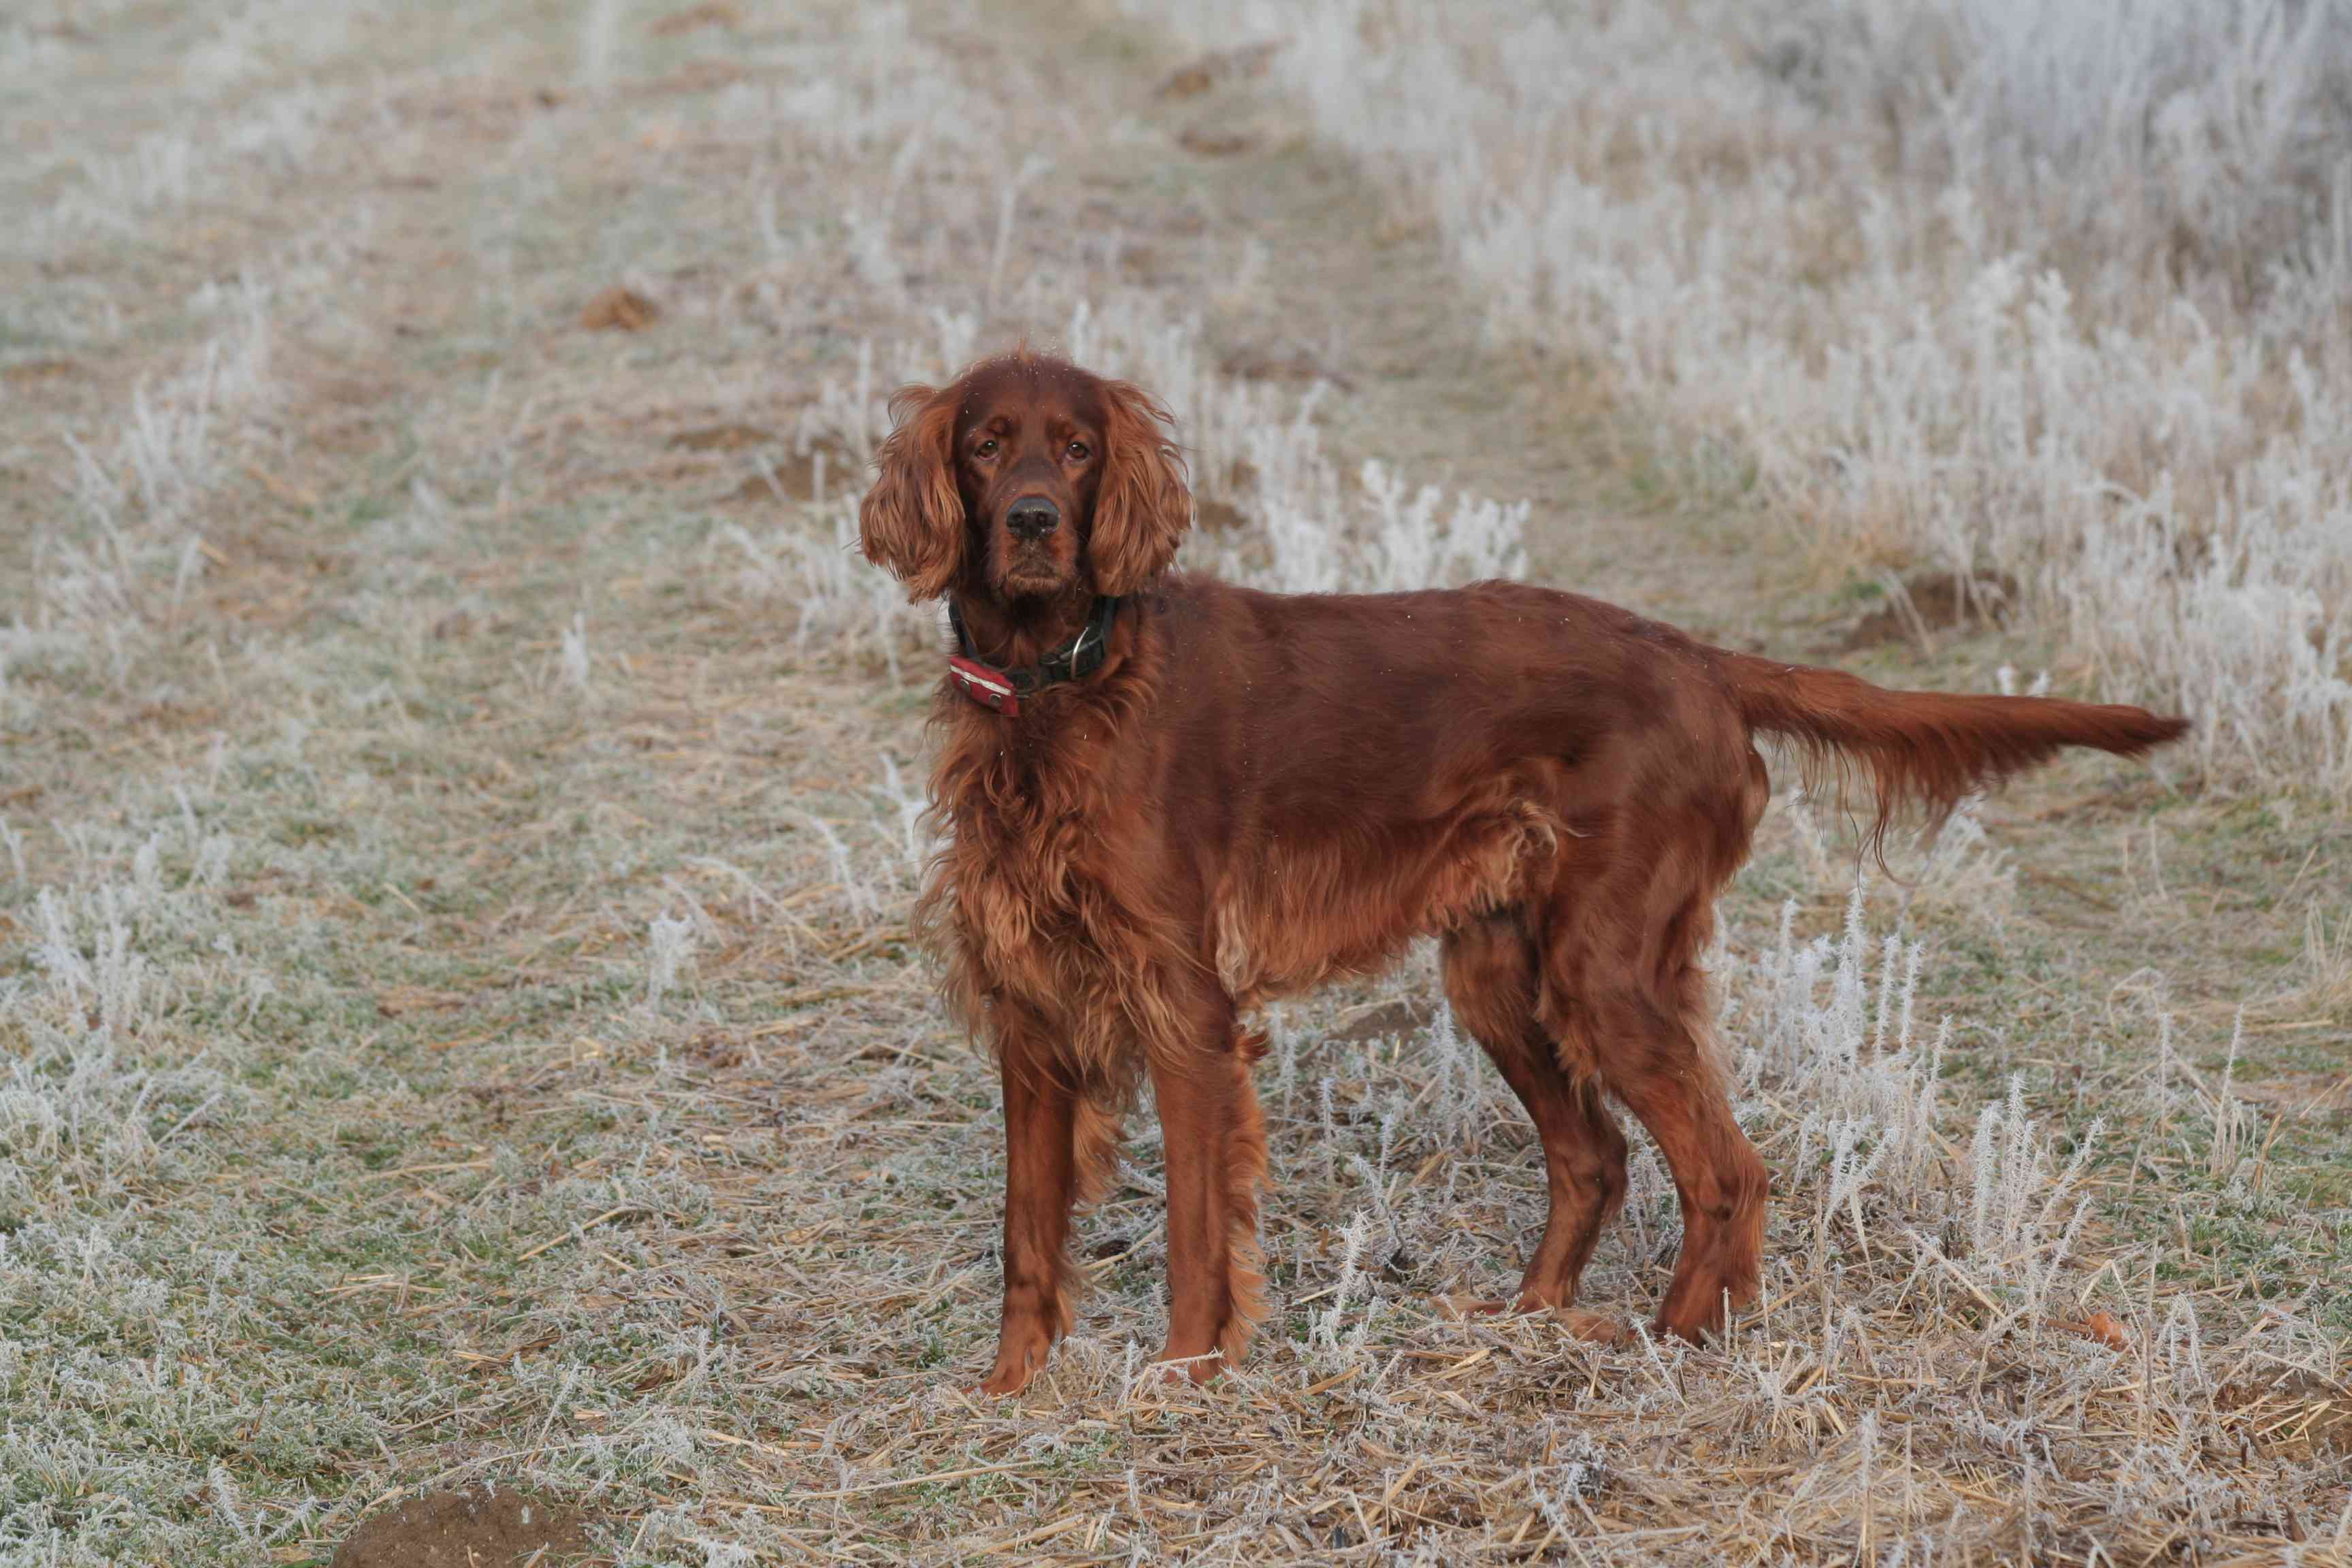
(1928, 749)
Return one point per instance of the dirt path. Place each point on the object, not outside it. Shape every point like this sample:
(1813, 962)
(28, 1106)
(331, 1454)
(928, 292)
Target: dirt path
(530, 1081)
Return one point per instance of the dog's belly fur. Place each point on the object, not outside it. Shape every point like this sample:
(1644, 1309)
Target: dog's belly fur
(1295, 915)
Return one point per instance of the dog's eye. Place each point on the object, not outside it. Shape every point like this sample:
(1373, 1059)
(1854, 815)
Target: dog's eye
(1077, 452)
(986, 449)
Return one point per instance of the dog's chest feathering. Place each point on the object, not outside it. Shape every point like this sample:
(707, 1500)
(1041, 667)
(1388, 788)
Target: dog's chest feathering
(1048, 913)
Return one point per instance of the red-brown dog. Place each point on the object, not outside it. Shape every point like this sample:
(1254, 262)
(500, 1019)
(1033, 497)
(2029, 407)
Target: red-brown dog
(1168, 799)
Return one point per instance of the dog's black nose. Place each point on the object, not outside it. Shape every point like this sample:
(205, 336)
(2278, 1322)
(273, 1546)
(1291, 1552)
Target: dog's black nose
(1032, 516)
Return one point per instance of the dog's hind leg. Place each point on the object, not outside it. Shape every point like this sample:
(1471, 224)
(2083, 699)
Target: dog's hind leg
(1639, 1015)
(1491, 980)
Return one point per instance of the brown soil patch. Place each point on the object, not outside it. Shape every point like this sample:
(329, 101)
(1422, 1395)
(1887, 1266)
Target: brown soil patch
(693, 16)
(1217, 516)
(31, 371)
(1399, 1017)
(722, 439)
(1256, 363)
(1197, 76)
(1216, 144)
(1936, 604)
(619, 310)
(2305, 1414)
(467, 1529)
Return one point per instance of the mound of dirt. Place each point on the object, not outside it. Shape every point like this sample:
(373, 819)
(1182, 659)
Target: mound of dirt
(619, 310)
(729, 437)
(1935, 604)
(1199, 75)
(467, 1529)
(695, 16)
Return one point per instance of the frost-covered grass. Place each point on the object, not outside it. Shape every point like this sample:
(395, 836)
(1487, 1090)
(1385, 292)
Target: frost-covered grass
(2049, 295)
(460, 801)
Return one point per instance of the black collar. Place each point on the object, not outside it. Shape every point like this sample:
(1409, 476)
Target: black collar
(1003, 690)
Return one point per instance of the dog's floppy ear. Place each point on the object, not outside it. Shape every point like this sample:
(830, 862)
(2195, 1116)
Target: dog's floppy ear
(911, 521)
(1144, 507)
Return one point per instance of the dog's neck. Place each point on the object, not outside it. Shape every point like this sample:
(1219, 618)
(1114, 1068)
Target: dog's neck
(1009, 633)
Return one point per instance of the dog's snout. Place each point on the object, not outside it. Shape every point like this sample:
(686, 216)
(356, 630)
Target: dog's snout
(1032, 516)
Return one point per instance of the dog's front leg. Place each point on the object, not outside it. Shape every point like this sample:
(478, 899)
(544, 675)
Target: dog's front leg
(1215, 1139)
(1040, 1107)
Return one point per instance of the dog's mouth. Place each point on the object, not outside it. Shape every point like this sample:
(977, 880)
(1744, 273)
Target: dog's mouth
(1033, 585)
(1033, 569)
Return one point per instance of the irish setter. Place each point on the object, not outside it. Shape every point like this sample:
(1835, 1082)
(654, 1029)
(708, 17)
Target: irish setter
(1168, 799)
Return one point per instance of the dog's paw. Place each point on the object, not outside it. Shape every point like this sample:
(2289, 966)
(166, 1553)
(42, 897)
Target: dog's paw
(1002, 1383)
(1019, 1355)
(1592, 1327)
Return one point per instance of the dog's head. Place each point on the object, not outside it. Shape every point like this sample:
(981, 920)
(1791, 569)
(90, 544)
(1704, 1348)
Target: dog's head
(1025, 478)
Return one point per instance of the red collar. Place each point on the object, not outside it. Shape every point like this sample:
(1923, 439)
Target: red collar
(1001, 691)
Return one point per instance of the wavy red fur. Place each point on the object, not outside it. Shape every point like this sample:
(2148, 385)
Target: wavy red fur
(1259, 792)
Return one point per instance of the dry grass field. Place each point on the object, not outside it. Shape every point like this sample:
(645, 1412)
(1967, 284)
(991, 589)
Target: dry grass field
(459, 803)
